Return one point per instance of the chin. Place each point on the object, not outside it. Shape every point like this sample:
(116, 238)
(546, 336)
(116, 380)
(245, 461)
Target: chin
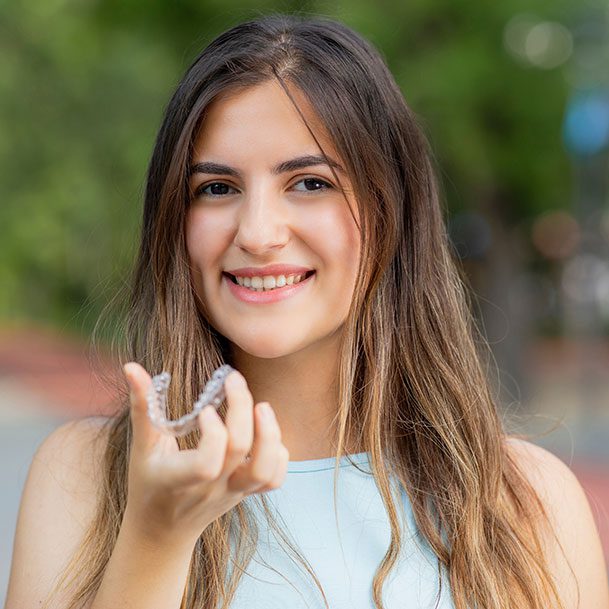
(268, 345)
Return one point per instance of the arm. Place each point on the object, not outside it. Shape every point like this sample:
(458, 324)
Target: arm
(570, 514)
(57, 505)
(143, 573)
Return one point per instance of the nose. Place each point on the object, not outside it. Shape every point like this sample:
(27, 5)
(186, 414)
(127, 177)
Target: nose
(261, 223)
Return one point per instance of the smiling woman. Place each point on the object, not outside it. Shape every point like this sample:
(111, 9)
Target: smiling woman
(283, 203)
(292, 229)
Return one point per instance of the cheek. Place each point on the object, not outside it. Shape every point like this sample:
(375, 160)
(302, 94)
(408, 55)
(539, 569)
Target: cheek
(203, 236)
(338, 240)
(349, 244)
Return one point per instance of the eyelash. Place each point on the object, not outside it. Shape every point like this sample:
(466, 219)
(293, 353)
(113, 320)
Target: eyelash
(325, 186)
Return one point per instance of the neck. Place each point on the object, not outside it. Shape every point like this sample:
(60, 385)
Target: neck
(302, 389)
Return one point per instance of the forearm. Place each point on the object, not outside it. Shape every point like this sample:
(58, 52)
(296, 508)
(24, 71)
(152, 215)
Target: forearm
(144, 573)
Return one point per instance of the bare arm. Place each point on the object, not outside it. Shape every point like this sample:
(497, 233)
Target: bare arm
(567, 506)
(143, 573)
(57, 504)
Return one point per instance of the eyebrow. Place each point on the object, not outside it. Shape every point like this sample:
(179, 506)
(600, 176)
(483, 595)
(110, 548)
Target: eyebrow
(301, 162)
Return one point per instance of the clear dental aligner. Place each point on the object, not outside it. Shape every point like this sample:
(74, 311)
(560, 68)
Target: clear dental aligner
(213, 394)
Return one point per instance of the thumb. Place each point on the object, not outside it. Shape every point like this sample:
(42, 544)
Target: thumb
(145, 434)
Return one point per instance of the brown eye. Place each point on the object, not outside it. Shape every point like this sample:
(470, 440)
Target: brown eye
(312, 184)
(214, 189)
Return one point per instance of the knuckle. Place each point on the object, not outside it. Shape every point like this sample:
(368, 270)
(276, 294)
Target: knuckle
(222, 432)
(237, 446)
(271, 426)
(208, 472)
(276, 431)
(259, 475)
(218, 432)
(277, 480)
(282, 475)
(270, 431)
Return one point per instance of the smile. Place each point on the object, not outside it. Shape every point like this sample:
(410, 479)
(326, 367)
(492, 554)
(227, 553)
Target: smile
(260, 295)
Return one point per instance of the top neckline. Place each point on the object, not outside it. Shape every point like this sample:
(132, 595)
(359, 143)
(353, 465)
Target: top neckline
(317, 465)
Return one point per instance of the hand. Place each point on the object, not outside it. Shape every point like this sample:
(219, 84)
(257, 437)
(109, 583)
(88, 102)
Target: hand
(175, 494)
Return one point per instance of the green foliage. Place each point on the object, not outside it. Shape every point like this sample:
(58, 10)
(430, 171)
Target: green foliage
(83, 85)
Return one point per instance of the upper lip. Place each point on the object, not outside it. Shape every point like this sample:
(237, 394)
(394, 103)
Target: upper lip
(271, 269)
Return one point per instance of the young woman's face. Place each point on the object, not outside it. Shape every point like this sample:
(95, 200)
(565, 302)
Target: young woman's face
(264, 196)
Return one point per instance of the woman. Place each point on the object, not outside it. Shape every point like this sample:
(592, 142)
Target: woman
(288, 156)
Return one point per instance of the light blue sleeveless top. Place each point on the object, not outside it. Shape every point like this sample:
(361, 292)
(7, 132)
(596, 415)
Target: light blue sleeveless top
(343, 557)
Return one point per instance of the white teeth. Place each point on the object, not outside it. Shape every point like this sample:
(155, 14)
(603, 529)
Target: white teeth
(269, 282)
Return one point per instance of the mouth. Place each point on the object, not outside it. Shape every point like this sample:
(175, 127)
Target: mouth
(233, 279)
(261, 296)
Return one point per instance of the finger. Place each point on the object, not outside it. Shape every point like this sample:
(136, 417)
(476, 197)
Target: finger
(259, 470)
(280, 471)
(145, 435)
(205, 463)
(239, 421)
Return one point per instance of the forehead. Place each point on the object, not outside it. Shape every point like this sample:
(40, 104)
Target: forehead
(263, 117)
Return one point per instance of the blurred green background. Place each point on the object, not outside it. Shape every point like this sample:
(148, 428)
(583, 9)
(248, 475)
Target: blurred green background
(83, 85)
(513, 95)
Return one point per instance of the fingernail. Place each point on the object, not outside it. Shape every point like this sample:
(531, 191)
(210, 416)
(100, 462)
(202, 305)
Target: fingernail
(128, 370)
(236, 378)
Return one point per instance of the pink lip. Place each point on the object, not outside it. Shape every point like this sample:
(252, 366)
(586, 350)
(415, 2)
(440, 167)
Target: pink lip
(246, 295)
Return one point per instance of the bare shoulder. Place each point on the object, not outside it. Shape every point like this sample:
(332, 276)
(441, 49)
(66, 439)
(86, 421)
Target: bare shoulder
(545, 471)
(58, 503)
(69, 460)
(570, 514)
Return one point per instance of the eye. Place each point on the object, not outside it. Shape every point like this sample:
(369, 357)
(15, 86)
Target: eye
(311, 185)
(214, 189)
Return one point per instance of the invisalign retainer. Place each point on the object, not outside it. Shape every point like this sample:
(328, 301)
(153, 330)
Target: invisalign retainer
(213, 394)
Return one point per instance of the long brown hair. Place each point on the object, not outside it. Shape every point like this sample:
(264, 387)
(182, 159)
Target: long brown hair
(412, 388)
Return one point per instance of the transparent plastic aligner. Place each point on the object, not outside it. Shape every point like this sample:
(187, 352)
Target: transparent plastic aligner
(213, 394)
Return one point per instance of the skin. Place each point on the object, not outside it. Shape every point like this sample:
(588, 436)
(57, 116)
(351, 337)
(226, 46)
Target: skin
(288, 350)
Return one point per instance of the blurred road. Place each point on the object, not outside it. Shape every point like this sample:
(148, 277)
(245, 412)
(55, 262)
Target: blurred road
(45, 380)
